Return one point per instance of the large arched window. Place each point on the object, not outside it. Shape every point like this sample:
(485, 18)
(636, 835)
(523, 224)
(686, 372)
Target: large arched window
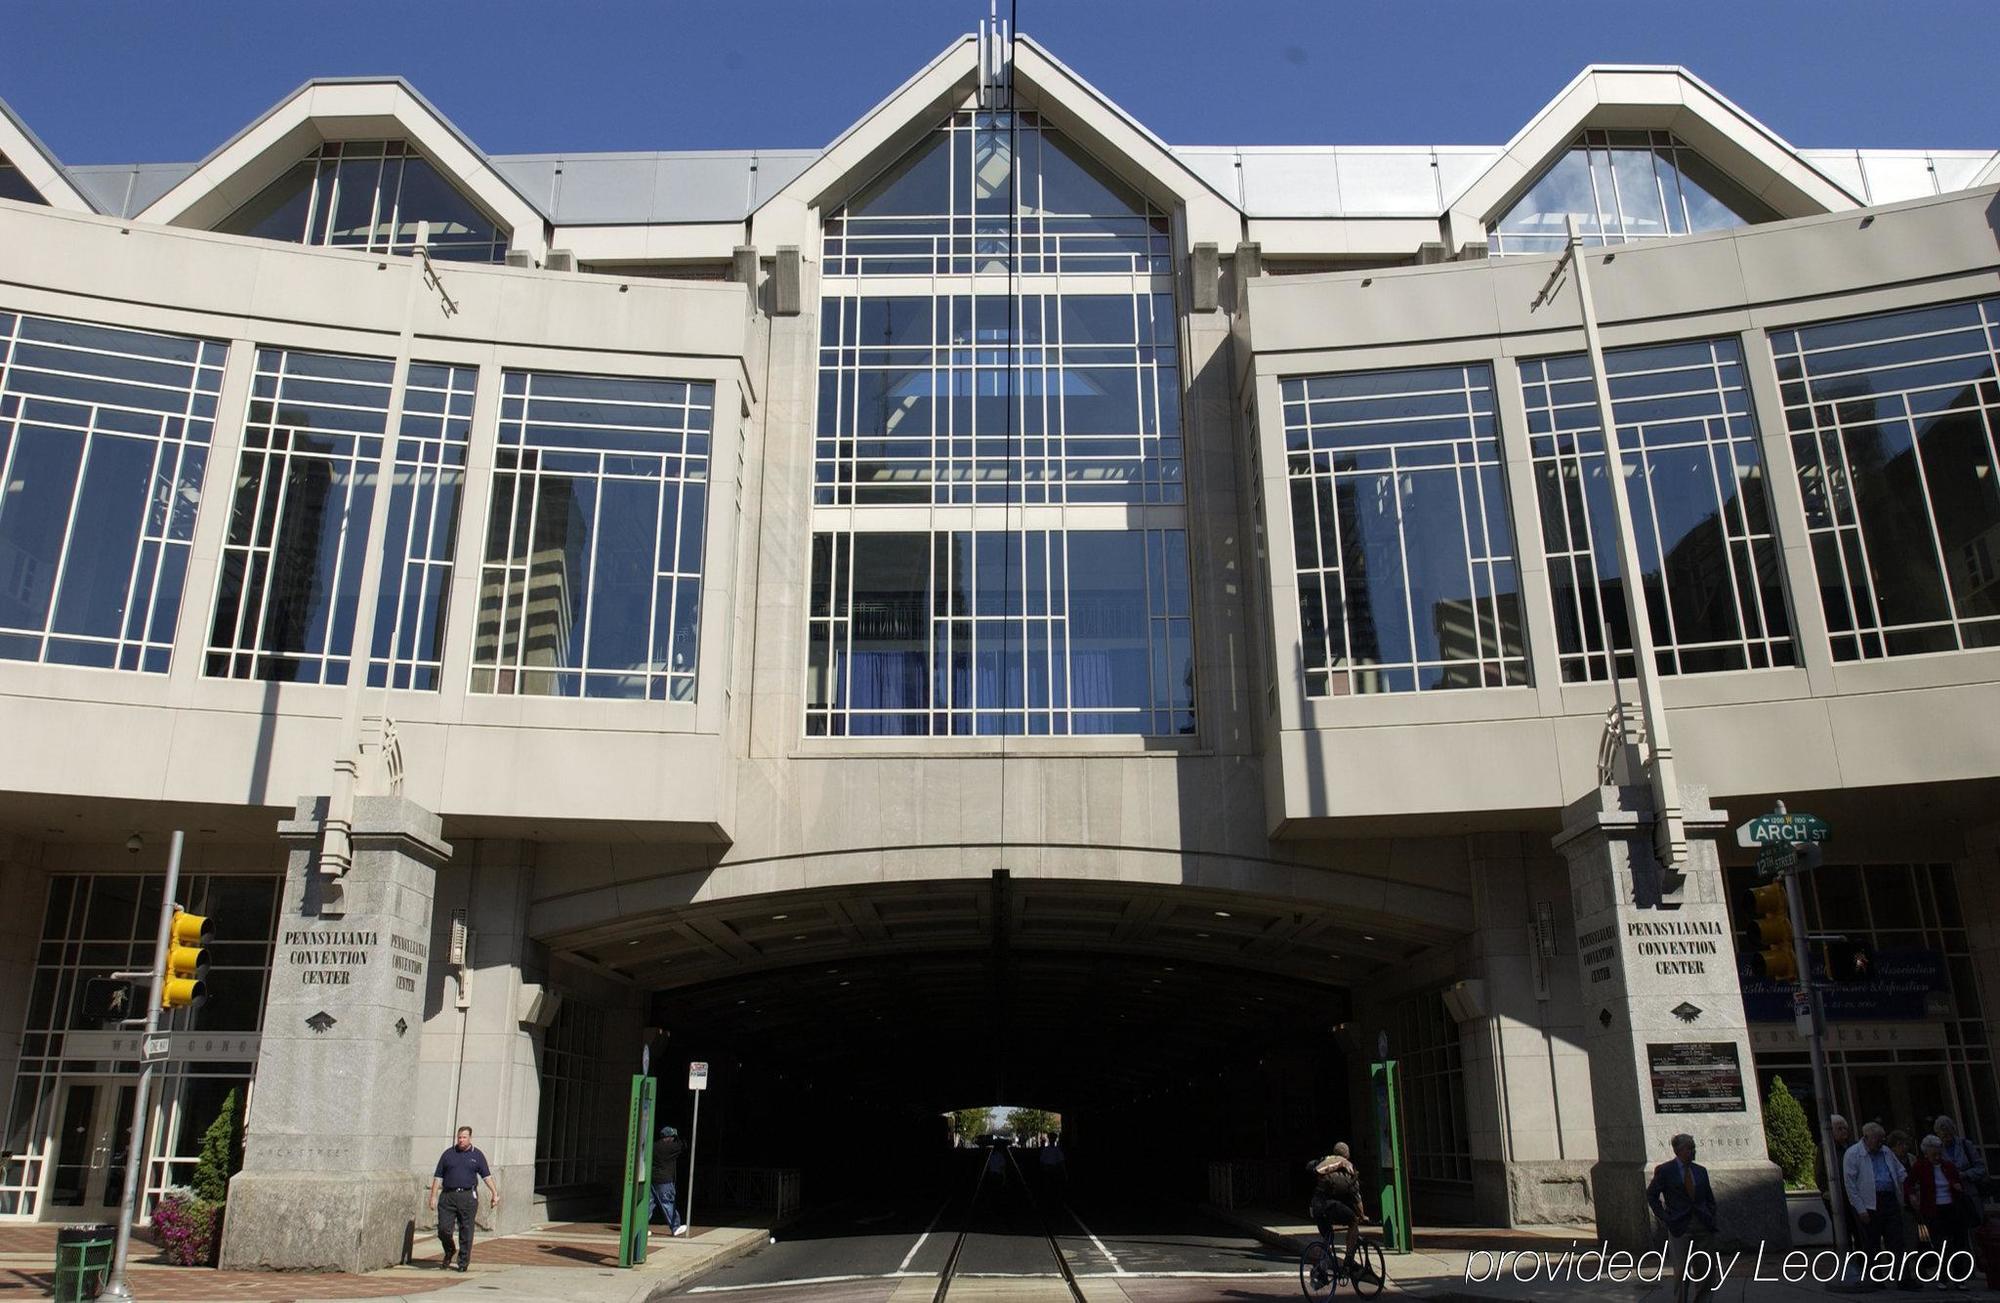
(370, 195)
(1623, 186)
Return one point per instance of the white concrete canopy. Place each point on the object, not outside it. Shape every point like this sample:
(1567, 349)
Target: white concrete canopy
(1660, 98)
(37, 165)
(343, 109)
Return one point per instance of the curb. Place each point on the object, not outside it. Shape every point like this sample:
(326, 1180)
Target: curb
(743, 1247)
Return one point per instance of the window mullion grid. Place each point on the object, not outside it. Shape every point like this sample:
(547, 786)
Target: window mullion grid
(530, 482)
(664, 565)
(584, 667)
(1474, 594)
(136, 603)
(353, 458)
(166, 531)
(1741, 482)
(1336, 566)
(1641, 453)
(69, 532)
(1720, 452)
(1930, 518)
(281, 460)
(1808, 409)
(1876, 626)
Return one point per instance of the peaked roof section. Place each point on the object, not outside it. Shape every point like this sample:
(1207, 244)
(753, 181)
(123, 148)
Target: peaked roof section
(1043, 83)
(1657, 97)
(38, 166)
(342, 108)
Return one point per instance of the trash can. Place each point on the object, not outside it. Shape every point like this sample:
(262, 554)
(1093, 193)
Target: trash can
(83, 1260)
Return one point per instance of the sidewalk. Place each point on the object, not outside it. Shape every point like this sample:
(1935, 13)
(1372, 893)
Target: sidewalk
(1482, 1264)
(575, 1262)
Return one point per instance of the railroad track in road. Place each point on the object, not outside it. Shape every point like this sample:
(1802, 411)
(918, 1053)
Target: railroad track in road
(950, 1271)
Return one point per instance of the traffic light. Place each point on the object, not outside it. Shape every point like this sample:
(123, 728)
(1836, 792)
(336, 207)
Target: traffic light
(111, 999)
(1774, 957)
(181, 986)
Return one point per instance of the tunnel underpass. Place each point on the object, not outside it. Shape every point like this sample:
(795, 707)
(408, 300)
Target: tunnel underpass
(1171, 1028)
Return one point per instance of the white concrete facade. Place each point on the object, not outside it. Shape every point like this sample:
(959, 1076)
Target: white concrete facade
(1391, 854)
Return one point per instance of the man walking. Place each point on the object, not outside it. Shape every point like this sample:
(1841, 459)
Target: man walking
(1873, 1180)
(667, 1171)
(455, 1195)
(1681, 1197)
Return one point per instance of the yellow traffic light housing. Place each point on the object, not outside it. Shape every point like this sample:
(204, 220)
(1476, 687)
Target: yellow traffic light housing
(1777, 960)
(182, 985)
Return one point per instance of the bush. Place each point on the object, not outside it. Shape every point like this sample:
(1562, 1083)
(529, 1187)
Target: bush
(218, 1155)
(188, 1228)
(1788, 1139)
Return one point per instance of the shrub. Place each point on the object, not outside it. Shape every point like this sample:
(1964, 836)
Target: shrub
(1788, 1139)
(187, 1228)
(218, 1155)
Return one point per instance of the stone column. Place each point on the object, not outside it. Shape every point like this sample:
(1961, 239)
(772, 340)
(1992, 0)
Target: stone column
(481, 1059)
(23, 882)
(327, 1183)
(1527, 1076)
(1663, 1018)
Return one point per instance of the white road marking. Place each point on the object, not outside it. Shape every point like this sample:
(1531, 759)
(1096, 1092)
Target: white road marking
(911, 1256)
(805, 1280)
(1116, 1269)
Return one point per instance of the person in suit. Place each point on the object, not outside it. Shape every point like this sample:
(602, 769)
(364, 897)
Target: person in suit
(1681, 1197)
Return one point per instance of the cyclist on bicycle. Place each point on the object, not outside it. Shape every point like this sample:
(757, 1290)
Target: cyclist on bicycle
(1337, 1198)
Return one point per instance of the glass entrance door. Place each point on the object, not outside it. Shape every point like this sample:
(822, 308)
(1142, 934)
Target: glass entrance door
(92, 1137)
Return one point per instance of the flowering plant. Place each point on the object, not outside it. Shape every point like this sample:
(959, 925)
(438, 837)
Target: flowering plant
(187, 1228)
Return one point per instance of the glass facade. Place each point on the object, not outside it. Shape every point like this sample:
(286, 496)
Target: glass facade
(1927, 986)
(1893, 421)
(291, 563)
(1400, 535)
(571, 1133)
(946, 400)
(1042, 632)
(1694, 474)
(1000, 336)
(1622, 186)
(94, 925)
(104, 438)
(370, 195)
(591, 581)
(425, 487)
(957, 206)
(15, 186)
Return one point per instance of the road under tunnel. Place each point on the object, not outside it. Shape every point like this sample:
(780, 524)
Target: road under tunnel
(1173, 1030)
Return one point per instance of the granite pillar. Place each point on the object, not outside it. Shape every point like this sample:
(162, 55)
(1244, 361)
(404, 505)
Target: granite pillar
(327, 1181)
(1663, 1018)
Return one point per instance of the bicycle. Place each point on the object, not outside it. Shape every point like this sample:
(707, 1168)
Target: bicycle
(1321, 1269)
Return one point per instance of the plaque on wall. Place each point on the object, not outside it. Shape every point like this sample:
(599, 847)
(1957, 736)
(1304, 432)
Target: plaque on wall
(1696, 1077)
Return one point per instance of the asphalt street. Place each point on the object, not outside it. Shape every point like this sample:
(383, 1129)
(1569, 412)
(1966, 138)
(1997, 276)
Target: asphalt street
(999, 1225)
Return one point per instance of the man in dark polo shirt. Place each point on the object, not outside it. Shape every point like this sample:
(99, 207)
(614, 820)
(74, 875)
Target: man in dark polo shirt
(455, 1195)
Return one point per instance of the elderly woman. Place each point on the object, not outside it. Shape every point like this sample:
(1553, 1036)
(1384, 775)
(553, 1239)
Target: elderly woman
(1939, 1195)
(1961, 1152)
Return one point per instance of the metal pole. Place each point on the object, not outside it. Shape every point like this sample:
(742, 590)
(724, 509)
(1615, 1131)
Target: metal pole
(694, 1143)
(135, 1142)
(337, 846)
(1822, 1078)
(1670, 832)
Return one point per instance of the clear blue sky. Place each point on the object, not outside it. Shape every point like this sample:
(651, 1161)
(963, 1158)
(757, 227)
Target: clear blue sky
(131, 81)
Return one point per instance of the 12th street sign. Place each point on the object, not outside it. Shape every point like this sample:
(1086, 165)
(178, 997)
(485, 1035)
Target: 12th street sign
(1783, 830)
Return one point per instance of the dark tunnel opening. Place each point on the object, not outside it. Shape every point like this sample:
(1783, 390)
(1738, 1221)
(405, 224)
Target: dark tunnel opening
(845, 1071)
